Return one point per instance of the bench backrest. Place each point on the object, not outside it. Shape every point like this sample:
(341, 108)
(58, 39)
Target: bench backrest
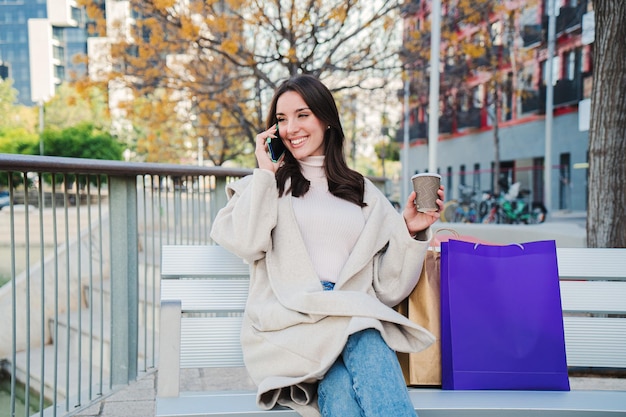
(212, 286)
(593, 297)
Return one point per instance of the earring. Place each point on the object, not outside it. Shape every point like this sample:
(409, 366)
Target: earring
(328, 127)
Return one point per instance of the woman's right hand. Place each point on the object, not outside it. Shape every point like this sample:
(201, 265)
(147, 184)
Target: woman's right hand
(261, 150)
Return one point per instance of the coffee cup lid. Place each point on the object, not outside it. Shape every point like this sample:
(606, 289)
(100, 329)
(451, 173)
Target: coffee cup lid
(426, 174)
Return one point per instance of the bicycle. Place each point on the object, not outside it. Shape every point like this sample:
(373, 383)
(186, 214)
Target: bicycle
(512, 207)
(463, 210)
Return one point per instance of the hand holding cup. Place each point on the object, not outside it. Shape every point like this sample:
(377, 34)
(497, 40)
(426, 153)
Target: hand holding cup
(426, 186)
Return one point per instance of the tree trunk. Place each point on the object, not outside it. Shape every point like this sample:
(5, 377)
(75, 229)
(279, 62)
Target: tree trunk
(606, 210)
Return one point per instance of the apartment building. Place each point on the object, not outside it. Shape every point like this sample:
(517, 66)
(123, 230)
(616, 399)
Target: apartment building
(473, 110)
(39, 43)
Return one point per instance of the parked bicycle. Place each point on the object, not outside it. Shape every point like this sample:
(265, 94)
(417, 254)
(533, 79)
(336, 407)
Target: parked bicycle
(512, 207)
(463, 210)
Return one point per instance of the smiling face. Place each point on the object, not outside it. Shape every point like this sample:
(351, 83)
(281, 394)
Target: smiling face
(301, 131)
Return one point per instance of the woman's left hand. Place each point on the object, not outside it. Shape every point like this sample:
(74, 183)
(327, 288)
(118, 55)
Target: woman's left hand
(417, 221)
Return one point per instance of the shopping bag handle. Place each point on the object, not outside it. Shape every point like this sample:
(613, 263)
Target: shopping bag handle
(435, 243)
(477, 244)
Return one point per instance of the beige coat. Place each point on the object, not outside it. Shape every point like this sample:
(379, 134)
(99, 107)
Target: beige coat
(293, 330)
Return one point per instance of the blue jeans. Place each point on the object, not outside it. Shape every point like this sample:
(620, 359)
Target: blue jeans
(365, 381)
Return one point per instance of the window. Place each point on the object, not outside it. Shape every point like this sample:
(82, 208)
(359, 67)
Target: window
(57, 33)
(77, 15)
(478, 94)
(476, 177)
(571, 64)
(4, 72)
(464, 102)
(556, 64)
(59, 72)
(58, 53)
(564, 181)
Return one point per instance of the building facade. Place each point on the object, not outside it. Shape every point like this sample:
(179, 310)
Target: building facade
(40, 41)
(496, 94)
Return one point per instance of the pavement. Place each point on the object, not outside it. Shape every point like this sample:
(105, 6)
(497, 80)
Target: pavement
(567, 228)
(138, 398)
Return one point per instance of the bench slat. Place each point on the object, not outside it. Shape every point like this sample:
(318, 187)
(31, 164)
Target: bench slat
(179, 261)
(207, 294)
(604, 297)
(427, 402)
(221, 403)
(591, 263)
(590, 341)
(432, 402)
(595, 341)
(208, 342)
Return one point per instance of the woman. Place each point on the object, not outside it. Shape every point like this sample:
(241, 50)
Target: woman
(329, 258)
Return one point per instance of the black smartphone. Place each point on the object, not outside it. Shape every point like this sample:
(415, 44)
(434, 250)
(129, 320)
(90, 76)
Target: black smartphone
(276, 146)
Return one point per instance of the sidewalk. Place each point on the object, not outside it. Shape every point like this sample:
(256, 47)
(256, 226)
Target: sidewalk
(138, 399)
(568, 229)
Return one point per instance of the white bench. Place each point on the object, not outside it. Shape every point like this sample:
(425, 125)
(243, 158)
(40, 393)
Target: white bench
(203, 293)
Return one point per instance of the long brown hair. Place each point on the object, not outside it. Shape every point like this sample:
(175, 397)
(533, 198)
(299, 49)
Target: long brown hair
(343, 182)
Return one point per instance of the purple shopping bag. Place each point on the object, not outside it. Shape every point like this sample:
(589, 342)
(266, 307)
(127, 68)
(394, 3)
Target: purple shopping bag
(501, 317)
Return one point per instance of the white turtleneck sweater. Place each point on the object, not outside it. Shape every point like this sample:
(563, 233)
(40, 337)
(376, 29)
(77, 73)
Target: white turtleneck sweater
(330, 226)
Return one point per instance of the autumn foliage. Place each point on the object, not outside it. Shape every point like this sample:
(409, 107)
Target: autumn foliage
(207, 69)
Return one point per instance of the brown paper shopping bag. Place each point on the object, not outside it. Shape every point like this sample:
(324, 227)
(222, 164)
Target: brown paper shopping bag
(423, 307)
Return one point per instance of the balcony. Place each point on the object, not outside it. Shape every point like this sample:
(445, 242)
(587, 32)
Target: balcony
(469, 119)
(417, 131)
(531, 102)
(445, 124)
(570, 18)
(532, 35)
(566, 92)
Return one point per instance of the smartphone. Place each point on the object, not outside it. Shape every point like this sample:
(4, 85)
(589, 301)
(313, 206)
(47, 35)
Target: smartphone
(276, 146)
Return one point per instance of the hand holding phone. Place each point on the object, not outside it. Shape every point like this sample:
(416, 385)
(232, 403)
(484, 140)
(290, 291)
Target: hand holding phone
(276, 146)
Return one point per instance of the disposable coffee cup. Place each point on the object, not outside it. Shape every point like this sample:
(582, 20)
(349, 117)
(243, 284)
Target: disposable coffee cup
(426, 186)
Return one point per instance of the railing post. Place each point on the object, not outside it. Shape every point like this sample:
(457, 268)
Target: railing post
(218, 197)
(124, 279)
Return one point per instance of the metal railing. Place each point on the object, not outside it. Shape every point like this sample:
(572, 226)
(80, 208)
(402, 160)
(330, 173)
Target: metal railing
(80, 244)
(80, 248)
